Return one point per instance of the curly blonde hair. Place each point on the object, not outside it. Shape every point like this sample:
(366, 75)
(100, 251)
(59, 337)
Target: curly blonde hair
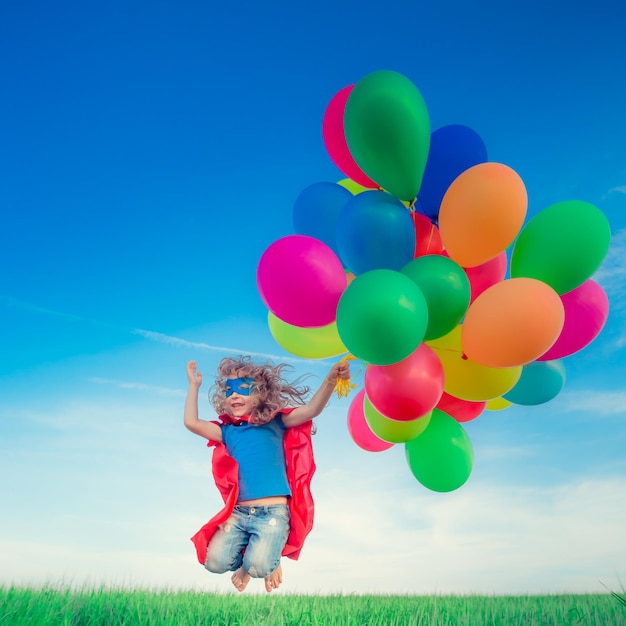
(271, 391)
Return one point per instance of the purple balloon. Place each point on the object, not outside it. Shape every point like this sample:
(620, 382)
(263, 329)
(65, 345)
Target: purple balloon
(586, 312)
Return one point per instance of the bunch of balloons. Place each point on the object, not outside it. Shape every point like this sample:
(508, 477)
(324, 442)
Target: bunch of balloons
(422, 265)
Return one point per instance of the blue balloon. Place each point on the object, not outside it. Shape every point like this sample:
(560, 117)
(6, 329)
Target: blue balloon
(540, 382)
(375, 231)
(453, 149)
(316, 210)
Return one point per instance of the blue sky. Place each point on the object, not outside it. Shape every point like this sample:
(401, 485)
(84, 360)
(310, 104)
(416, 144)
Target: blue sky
(150, 152)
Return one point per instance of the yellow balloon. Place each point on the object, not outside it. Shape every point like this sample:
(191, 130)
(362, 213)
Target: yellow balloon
(309, 343)
(352, 187)
(497, 404)
(355, 189)
(393, 431)
(467, 379)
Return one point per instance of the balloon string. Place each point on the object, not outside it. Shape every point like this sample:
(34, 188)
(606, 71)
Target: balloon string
(438, 349)
(343, 386)
(430, 236)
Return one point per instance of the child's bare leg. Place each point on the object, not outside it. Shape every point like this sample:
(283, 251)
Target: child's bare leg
(274, 579)
(240, 579)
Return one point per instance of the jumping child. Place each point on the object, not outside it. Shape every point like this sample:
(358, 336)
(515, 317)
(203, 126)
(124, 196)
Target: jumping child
(262, 465)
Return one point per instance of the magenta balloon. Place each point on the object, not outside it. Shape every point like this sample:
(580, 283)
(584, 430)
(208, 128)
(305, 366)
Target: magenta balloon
(481, 277)
(300, 280)
(359, 429)
(586, 312)
(335, 139)
(460, 410)
(408, 389)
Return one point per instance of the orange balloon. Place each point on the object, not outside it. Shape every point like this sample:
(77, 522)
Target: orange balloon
(481, 213)
(512, 323)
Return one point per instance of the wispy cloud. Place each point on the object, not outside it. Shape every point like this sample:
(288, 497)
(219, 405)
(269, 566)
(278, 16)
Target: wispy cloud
(155, 490)
(14, 303)
(603, 403)
(184, 343)
(620, 189)
(612, 273)
(467, 541)
(612, 277)
(150, 335)
(482, 540)
(163, 391)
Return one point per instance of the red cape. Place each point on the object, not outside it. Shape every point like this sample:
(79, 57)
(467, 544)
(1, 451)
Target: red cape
(300, 470)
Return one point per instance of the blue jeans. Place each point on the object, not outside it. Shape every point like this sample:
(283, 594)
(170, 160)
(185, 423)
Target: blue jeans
(253, 536)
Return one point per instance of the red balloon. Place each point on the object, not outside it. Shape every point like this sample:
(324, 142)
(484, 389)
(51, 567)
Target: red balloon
(427, 237)
(481, 277)
(359, 429)
(335, 139)
(408, 389)
(460, 410)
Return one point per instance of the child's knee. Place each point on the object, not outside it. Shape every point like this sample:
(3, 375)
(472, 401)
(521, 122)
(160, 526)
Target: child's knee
(217, 564)
(260, 568)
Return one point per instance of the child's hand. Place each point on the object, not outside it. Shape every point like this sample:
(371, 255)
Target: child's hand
(339, 370)
(195, 378)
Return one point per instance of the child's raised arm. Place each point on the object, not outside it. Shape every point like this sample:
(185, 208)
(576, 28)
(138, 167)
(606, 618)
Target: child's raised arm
(321, 397)
(205, 429)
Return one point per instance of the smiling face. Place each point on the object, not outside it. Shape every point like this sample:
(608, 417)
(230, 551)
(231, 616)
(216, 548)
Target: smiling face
(241, 397)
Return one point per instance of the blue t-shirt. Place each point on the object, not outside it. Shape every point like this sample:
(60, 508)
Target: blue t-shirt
(259, 452)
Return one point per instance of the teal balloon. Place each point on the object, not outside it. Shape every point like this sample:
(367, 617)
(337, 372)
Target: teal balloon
(540, 382)
(382, 317)
(446, 288)
(442, 457)
(387, 129)
(563, 245)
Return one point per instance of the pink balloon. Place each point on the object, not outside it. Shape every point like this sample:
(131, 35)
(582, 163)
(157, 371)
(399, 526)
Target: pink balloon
(335, 139)
(408, 389)
(586, 312)
(427, 237)
(481, 277)
(300, 280)
(460, 410)
(359, 429)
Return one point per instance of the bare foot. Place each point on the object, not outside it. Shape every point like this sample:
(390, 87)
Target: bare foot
(240, 579)
(274, 579)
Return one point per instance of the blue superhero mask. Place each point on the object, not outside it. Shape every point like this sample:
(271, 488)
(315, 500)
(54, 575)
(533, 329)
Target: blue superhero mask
(242, 386)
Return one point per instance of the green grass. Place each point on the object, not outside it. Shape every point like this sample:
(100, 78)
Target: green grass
(112, 607)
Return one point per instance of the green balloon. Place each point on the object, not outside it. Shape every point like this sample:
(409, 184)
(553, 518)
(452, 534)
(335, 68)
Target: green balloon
(393, 431)
(442, 457)
(446, 288)
(382, 316)
(563, 245)
(387, 129)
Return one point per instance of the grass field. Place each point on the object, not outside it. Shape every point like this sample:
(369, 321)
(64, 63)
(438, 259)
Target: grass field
(111, 607)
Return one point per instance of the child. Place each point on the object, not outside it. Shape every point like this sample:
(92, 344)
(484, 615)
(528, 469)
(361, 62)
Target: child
(262, 465)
